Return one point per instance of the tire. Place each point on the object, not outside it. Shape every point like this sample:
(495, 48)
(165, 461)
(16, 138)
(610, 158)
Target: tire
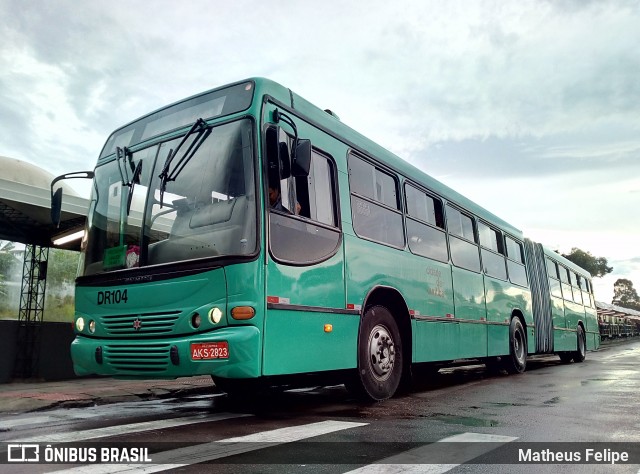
(565, 357)
(380, 358)
(581, 352)
(516, 362)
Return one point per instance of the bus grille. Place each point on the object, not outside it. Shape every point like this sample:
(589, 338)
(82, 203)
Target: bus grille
(147, 358)
(148, 324)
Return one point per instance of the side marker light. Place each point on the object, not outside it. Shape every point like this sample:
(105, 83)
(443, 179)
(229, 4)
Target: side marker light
(243, 312)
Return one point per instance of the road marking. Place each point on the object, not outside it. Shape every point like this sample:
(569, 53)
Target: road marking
(118, 430)
(206, 452)
(420, 460)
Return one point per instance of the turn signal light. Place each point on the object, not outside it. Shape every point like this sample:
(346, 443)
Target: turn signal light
(243, 312)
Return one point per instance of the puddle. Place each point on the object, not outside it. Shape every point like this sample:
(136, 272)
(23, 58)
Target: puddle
(602, 381)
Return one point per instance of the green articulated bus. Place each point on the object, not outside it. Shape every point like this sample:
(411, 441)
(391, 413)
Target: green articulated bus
(248, 235)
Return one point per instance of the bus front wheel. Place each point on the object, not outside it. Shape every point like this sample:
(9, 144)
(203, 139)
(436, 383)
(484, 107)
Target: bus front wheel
(516, 363)
(380, 358)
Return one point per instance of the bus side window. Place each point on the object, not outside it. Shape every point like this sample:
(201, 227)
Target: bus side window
(375, 209)
(294, 237)
(584, 288)
(425, 225)
(587, 294)
(554, 279)
(577, 294)
(492, 251)
(462, 242)
(567, 292)
(515, 262)
(591, 296)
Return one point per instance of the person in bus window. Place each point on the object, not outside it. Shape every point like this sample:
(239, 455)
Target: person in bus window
(275, 201)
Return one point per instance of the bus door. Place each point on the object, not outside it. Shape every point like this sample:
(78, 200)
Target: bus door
(436, 332)
(504, 290)
(304, 327)
(468, 284)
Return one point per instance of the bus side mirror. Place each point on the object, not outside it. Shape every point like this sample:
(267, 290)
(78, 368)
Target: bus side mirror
(302, 158)
(56, 206)
(56, 197)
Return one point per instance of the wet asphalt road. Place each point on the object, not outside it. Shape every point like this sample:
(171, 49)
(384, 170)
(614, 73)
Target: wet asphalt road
(323, 429)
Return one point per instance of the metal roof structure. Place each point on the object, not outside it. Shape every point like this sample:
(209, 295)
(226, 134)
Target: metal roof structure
(605, 309)
(25, 206)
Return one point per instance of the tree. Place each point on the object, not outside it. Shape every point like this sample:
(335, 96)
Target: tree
(8, 263)
(597, 266)
(8, 258)
(625, 295)
(62, 267)
(61, 272)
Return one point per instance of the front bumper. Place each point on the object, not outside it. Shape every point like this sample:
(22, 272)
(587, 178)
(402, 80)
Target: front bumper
(168, 358)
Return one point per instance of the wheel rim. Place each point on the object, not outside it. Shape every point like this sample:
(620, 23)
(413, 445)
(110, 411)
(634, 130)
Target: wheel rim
(518, 346)
(382, 352)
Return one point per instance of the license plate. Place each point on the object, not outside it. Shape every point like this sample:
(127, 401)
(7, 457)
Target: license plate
(209, 350)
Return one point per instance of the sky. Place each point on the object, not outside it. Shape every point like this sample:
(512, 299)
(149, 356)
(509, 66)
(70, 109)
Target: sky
(530, 108)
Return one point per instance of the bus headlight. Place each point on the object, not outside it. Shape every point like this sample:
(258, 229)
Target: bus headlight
(80, 324)
(92, 326)
(215, 315)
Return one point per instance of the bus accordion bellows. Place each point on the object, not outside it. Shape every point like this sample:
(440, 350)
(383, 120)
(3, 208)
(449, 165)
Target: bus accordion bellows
(248, 235)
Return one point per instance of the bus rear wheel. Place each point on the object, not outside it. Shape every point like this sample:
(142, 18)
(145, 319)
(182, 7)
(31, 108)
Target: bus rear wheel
(380, 358)
(516, 362)
(581, 352)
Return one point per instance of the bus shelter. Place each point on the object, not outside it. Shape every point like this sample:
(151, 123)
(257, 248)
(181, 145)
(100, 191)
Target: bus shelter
(25, 217)
(616, 321)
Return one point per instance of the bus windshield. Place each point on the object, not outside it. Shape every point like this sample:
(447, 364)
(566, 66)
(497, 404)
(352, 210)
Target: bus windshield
(209, 210)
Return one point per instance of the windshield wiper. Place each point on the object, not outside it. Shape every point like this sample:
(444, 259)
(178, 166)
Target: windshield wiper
(135, 179)
(166, 175)
(122, 155)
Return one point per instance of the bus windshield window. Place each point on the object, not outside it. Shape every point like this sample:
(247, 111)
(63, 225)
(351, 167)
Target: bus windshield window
(213, 104)
(208, 211)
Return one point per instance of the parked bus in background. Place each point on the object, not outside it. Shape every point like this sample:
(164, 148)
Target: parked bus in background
(248, 235)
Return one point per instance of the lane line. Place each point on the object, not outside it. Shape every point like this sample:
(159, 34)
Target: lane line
(420, 460)
(118, 430)
(206, 452)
